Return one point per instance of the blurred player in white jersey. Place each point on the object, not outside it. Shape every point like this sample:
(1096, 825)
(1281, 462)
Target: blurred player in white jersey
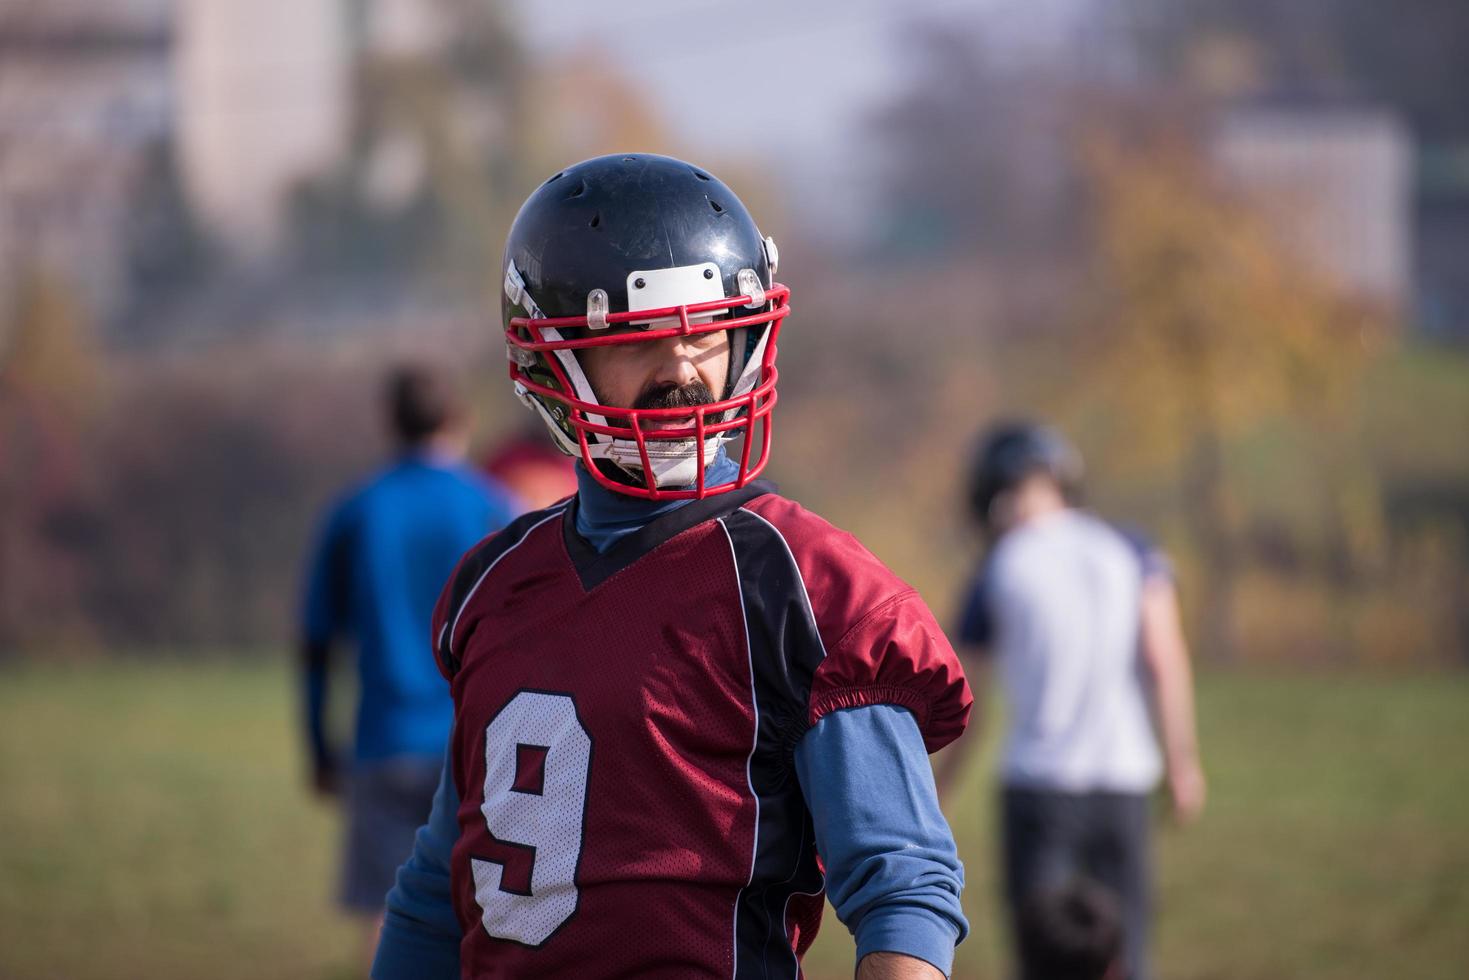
(1081, 622)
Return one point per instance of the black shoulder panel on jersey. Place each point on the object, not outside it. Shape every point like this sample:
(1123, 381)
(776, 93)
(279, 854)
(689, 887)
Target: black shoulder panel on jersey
(594, 568)
(473, 568)
(785, 650)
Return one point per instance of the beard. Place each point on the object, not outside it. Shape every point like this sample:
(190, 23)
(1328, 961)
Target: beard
(675, 461)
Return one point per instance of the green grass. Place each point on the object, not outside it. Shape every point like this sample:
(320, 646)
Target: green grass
(154, 823)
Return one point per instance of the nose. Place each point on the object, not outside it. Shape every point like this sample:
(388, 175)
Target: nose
(679, 365)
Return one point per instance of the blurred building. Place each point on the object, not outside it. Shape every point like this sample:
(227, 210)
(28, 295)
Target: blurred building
(263, 100)
(1336, 182)
(86, 97)
(121, 117)
(267, 100)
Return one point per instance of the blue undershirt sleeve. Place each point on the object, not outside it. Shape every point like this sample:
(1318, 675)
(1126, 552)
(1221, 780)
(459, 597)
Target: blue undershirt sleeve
(421, 934)
(892, 871)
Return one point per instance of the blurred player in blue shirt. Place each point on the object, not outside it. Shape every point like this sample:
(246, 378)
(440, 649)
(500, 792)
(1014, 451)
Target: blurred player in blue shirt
(1081, 622)
(384, 552)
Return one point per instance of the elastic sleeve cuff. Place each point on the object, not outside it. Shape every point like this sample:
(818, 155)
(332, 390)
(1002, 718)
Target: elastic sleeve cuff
(406, 954)
(916, 932)
(865, 697)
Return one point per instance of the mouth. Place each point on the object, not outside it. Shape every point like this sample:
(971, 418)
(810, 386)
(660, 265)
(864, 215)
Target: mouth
(664, 424)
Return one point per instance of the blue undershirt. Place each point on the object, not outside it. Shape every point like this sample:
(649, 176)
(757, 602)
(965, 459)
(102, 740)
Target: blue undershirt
(604, 517)
(892, 872)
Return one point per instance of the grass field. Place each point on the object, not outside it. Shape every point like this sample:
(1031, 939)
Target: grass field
(153, 823)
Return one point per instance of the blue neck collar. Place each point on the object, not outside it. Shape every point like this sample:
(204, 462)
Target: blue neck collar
(605, 516)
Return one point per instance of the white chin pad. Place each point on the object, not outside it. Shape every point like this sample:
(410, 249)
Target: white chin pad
(675, 462)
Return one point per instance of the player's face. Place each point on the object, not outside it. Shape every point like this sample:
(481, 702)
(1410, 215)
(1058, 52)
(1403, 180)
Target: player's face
(677, 372)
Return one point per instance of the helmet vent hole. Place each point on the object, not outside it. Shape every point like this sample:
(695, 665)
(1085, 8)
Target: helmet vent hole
(557, 177)
(629, 159)
(578, 190)
(596, 219)
(718, 208)
(701, 175)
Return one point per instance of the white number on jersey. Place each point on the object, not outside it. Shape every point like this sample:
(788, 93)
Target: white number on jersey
(550, 822)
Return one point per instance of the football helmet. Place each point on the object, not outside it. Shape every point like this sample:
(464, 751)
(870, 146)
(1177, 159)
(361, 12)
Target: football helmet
(1009, 452)
(636, 248)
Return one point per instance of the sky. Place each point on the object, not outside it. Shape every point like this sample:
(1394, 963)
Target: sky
(787, 82)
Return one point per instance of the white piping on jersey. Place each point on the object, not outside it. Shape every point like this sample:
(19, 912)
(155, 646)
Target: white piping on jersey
(749, 759)
(451, 628)
(801, 579)
(785, 929)
(785, 918)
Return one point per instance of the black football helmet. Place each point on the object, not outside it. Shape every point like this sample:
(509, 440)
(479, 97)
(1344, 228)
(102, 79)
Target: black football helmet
(1009, 452)
(663, 247)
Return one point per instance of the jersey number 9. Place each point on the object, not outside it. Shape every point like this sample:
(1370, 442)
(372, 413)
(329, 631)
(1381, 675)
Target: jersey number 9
(538, 756)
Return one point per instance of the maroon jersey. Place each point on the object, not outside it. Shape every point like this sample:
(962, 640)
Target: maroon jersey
(625, 724)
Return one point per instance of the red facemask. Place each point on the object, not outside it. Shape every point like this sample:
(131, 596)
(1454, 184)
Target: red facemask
(620, 434)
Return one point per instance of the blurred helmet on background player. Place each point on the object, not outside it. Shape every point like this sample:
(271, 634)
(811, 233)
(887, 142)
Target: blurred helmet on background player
(636, 248)
(1011, 452)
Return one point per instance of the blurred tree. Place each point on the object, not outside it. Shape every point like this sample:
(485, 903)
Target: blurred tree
(167, 251)
(1204, 327)
(49, 391)
(49, 350)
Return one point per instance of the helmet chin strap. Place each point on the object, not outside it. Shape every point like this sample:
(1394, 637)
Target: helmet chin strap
(745, 374)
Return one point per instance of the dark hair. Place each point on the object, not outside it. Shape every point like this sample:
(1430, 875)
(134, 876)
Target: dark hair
(1070, 932)
(1008, 453)
(422, 401)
